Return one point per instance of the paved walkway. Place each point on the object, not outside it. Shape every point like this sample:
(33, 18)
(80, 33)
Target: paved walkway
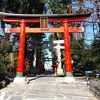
(47, 88)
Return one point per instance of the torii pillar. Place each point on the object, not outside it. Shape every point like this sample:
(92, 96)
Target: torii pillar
(20, 65)
(69, 76)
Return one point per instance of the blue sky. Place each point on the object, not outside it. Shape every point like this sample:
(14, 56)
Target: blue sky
(48, 34)
(1, 31)
(89, 35)
(6, 25)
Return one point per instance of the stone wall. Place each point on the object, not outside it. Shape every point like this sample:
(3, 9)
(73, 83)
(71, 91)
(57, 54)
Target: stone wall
(94, 86)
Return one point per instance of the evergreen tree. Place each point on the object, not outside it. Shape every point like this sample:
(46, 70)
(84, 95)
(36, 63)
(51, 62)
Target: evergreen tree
(24, 7)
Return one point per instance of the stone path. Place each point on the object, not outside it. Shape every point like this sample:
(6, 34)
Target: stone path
(47, 88)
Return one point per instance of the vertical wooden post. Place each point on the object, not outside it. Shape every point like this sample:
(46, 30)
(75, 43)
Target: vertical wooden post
(21, 49)
(68, 63)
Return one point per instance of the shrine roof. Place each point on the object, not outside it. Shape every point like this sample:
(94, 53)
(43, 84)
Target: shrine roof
(72, 15)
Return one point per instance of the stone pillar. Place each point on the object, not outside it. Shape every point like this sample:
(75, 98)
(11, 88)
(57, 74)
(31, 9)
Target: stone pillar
(58, 52)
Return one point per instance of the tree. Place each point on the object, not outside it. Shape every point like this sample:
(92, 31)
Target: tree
(24, 7)
(96, 53)
(59, 6)
(92, 53)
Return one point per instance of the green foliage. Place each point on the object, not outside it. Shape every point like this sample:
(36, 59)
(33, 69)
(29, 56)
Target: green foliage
(5, 68)
(51, 38)
(59, 6)
(91, 55)
(22, 6)
(96, 53)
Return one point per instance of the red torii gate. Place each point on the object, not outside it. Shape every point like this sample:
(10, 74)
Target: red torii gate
(23, 19)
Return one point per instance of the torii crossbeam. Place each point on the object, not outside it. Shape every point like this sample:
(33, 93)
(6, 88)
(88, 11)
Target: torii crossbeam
(43, 19)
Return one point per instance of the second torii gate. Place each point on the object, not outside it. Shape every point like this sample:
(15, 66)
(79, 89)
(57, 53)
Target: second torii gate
(58, 48)
(24, 19)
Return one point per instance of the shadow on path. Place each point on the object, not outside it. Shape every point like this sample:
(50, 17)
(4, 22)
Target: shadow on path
(45, 74)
